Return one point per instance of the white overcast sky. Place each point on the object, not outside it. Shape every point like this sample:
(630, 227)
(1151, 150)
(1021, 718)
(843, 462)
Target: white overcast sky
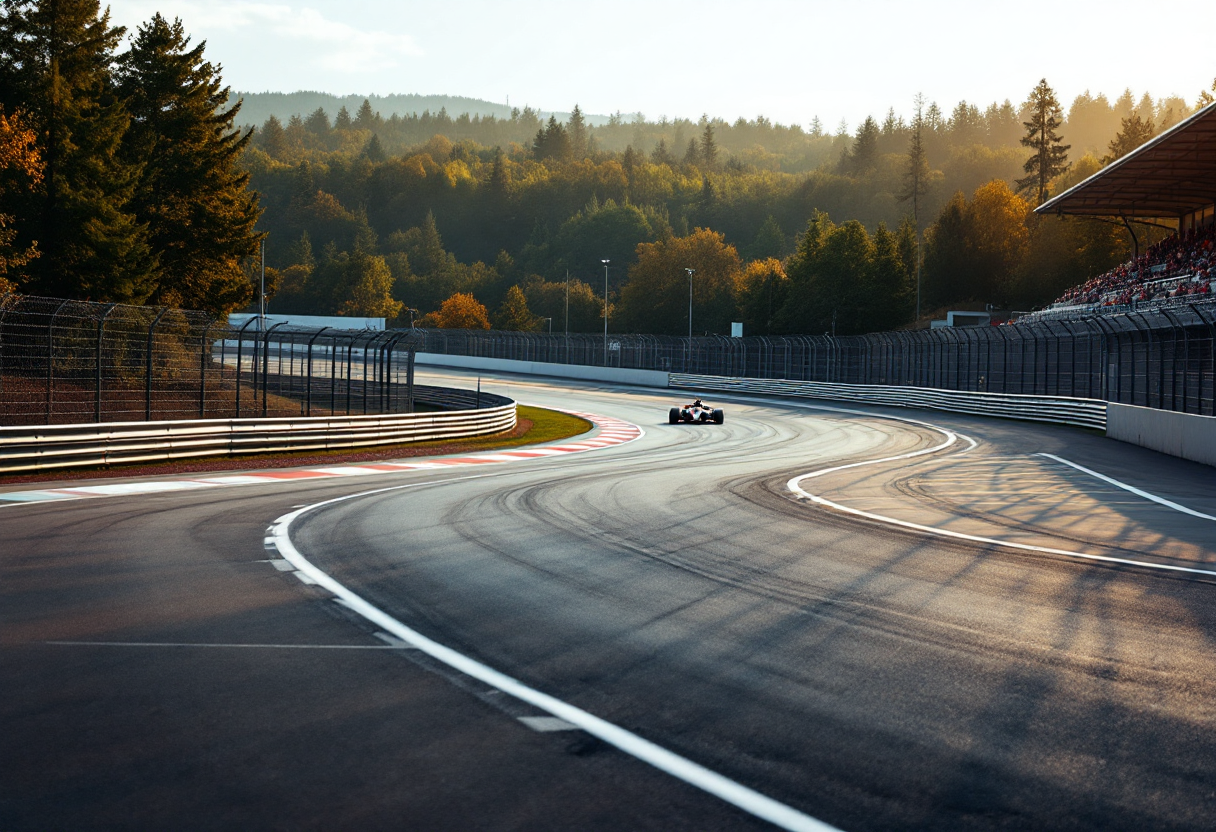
(784, 59)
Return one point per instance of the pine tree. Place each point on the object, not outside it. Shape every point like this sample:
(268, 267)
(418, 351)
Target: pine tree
(692, 156)
(709, 147)
(1050, 157)
(660, 155)
(271, 138)
(317, 123)
(373, 151)
(365, 118)
(864, 154)
(577, 130)
(1133, 132)
(916, 182)
(192, 193)
(342, 121)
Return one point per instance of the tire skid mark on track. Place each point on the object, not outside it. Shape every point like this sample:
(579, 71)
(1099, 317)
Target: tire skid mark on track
(612, 432)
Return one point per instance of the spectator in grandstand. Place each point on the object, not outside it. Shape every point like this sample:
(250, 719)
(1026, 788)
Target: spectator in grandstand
(1185, 258)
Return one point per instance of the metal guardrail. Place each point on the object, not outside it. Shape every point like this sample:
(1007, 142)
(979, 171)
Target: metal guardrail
(48, 447)
(1088, 413)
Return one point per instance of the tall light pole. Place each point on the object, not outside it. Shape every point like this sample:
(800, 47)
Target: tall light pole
(605, 262)
(262, 300)
(690, 271)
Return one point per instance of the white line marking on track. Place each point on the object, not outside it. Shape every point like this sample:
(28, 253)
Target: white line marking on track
(545, 724)
(1117, 484)
(794, 485)
(749, 800)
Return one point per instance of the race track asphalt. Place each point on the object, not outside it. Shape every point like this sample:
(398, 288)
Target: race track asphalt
(159, 669)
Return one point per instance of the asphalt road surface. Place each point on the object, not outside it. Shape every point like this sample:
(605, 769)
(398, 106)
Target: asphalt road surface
(942, 628)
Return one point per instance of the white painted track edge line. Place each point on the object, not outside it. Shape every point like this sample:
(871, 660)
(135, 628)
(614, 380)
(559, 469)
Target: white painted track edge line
(1129, 488)
(683, 769)
(794, 486)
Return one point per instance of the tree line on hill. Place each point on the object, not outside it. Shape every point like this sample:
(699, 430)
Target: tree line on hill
(137, 186)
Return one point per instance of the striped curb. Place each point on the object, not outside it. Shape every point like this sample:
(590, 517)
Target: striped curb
(611, 432)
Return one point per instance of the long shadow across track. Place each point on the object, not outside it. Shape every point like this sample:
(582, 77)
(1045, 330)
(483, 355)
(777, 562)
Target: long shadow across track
(951, 623)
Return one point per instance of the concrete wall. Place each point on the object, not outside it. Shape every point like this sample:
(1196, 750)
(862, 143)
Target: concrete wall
(642, 378)
(1178, 434)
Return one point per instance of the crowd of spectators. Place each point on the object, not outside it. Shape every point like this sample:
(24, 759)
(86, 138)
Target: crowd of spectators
(1179, 266)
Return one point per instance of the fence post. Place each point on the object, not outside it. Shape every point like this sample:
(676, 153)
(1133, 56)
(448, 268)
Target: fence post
(148, 366)
(307, 375)
(202, 372)
(240, 345)
(266, 368)
(101, 325)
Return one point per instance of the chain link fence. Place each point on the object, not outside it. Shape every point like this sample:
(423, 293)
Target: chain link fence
(69, 362)
(1160, 358)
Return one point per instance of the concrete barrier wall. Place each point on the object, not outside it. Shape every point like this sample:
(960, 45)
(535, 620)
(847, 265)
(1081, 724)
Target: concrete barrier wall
(643, 378)
(1178, 434)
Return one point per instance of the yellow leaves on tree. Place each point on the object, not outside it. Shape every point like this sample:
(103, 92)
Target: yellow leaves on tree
(460, 311)
(371, 290)
(20, 162)
(656, 298)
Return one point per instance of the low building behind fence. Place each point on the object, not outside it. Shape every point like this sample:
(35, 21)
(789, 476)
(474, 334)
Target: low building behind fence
(1159, 358)
(64, 362)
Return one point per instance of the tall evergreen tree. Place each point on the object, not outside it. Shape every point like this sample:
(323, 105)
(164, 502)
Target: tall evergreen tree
(365, 117)
(56, 63)
(271, 138)
(863, 156)
(1133, 132)
(342, 121)
(709, 147)
(577, 130)
(191, 194)
(916, 182)
(1050, 156)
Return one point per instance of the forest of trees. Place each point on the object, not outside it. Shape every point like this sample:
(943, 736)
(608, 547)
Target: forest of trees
(136, 184)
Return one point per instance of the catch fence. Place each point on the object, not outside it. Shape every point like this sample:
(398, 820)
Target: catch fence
(1160, 358)
(69, 362)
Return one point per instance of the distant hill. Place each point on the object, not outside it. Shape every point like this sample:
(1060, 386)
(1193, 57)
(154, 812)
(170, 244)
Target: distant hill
(259, 106)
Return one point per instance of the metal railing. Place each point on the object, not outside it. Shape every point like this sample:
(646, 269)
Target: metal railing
(51, 447)
(72, 362)
(1089, 413)
(1159, 358)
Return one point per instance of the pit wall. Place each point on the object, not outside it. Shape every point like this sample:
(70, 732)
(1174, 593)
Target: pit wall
(1177, 434)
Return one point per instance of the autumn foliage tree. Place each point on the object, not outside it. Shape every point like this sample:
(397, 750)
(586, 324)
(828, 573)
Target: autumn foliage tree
(655, 299)
(460, 311)
(21, 168)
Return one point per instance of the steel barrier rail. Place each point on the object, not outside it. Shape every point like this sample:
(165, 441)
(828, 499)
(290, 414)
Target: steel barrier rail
(1060, 410)
(24, 449)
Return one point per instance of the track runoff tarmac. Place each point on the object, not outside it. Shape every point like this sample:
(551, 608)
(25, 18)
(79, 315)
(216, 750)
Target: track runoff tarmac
(811, 617)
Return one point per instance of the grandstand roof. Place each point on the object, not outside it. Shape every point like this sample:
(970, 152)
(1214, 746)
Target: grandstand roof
(1168, 176)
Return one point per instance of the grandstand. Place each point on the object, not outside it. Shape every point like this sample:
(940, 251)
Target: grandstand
(1171, 177)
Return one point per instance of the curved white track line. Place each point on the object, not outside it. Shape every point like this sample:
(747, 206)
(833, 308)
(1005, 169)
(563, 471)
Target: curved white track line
(682, 768)
(1139, 493)
(794, 485)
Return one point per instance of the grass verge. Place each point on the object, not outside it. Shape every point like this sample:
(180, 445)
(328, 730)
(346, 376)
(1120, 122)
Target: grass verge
(534, 426)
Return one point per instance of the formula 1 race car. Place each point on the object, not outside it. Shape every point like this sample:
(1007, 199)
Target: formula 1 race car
(697, 412)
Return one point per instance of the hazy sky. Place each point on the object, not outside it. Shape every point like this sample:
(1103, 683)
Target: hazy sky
(784, 59)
